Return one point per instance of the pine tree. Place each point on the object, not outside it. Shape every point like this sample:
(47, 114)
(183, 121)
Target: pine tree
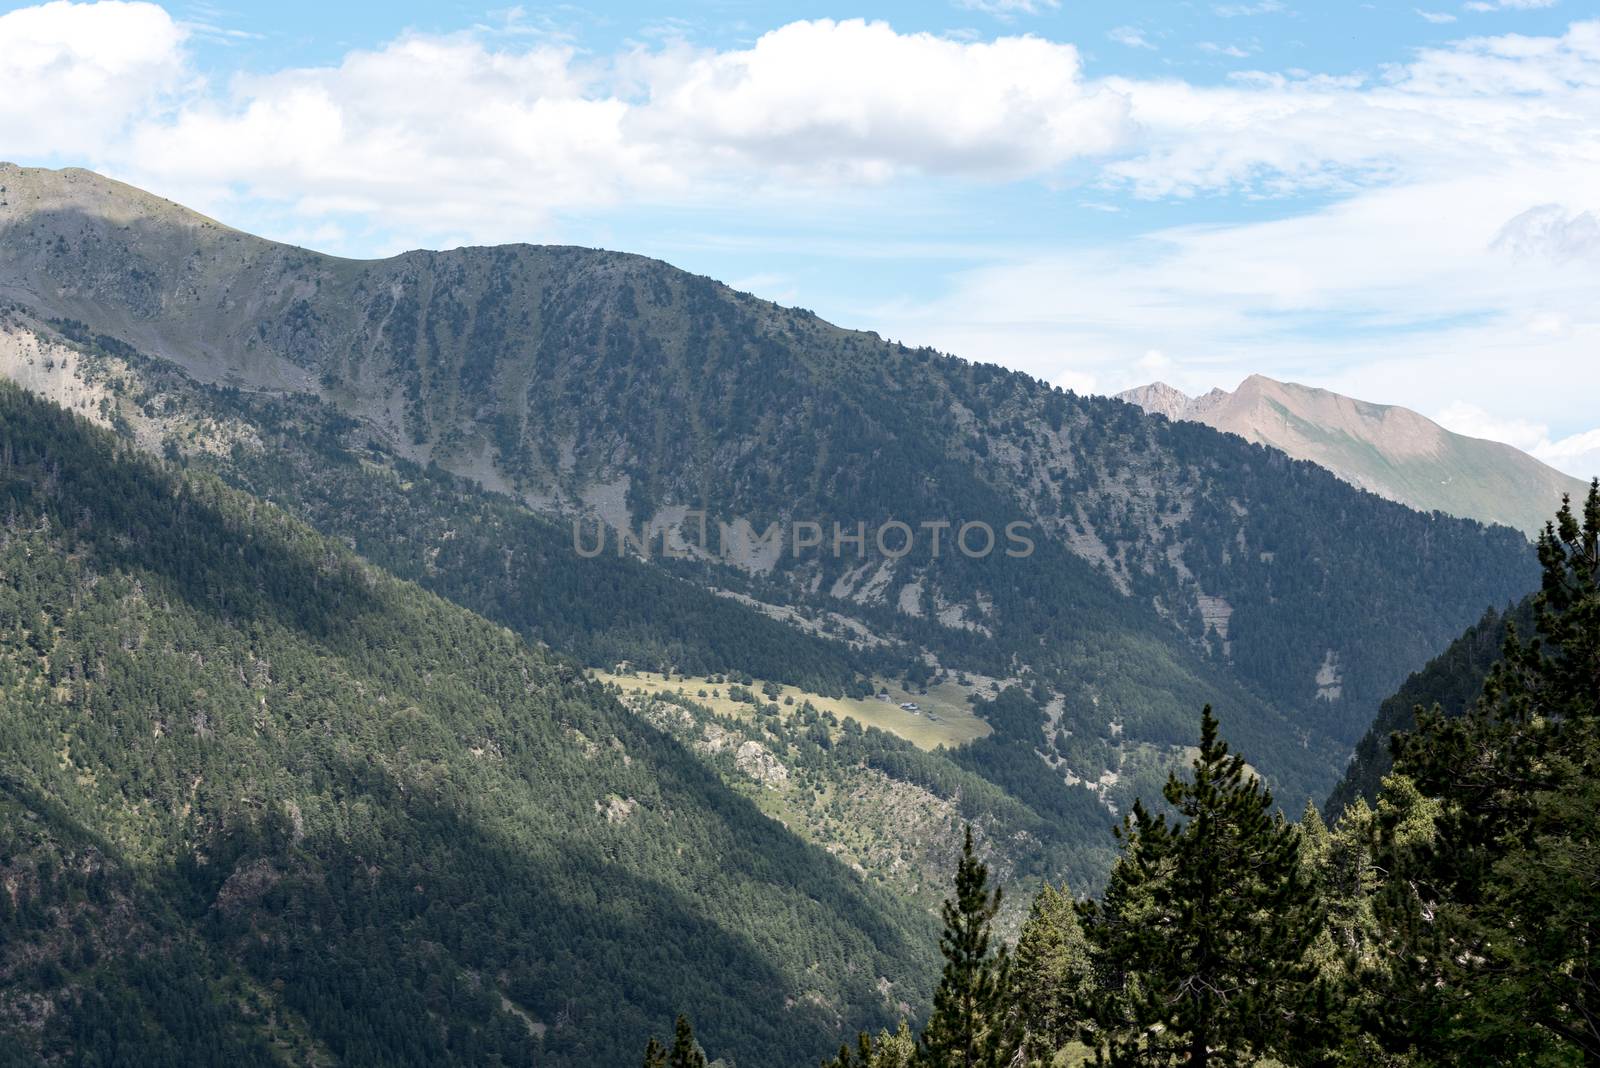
(1351, 951)
(1051, 975)
(686, 1051)
(655, 1054)
(1494, 920)
(898, 1050)
(1201, 941)
(969, 1026)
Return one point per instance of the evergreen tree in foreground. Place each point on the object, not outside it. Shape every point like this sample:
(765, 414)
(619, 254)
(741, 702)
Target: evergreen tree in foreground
(1495, 918)
(685, 1053)
(1051, 976)
(685, 1050)
(898, 1050)
(970, 1026)
(1201, 940)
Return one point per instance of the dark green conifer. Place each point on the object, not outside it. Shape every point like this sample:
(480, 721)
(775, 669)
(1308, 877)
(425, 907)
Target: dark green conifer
(1494, 919)
(686, 1052)
(969, 1026)
(897, 1050)
(1051, 975)
(1201, 942)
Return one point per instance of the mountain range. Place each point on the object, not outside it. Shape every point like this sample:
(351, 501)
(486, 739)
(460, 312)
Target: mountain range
(1389, 450)
(421, 742)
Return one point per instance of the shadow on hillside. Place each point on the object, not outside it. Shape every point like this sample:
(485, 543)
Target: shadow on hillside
(398, 944)
(224, 554)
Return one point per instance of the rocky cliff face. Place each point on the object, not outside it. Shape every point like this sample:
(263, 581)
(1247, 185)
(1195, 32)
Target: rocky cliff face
(1385, 449)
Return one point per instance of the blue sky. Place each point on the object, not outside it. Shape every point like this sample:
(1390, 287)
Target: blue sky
(1398, 201)
(1313, 36)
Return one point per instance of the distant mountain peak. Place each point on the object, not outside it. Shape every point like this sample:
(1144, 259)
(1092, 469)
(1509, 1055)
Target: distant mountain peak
(1383, 448)
(1158, 398)
(1207, 401)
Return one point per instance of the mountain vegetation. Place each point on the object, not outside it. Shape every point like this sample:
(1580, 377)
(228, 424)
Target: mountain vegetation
(1450, 682)
(260, 797)
(1171, 565)
(1451, 925)
(303, 757)
(892, 811)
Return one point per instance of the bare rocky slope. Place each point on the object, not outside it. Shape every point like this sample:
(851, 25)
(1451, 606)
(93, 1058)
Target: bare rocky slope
(1389, 450)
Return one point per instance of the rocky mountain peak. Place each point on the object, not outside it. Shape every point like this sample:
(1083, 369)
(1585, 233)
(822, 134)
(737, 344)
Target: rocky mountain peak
(1385, 449)
(1158, 398)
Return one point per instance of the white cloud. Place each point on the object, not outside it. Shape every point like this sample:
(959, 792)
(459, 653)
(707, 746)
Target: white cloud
(1578, 455)
(1473, 421)
(1225, 50)
(505, 136)
(1551, 232)
(516, 132)
(1154, 364)
(1457, 109)
(1077, 381)
(73, 75)
(1438, 18)
(507, 133)
(1130, 36)
(1508, 5)
(859, 97)
(1007, 8)
(1233, 11)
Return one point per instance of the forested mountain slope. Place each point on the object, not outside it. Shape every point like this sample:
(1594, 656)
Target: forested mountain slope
(260, 799)
(1453, 681)
(1172, 564)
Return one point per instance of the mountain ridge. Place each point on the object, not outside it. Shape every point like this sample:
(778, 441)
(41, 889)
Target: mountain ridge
(1173, 564)
(1383, 448)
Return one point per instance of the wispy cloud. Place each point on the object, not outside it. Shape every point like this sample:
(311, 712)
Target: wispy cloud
(1008, 8)
(213, 32)
(1234, 51)
(1234, 11)
(1438, 18)
(1130, 36)
(1458, 261)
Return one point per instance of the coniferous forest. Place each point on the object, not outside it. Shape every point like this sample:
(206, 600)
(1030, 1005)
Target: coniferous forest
(261, 797)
